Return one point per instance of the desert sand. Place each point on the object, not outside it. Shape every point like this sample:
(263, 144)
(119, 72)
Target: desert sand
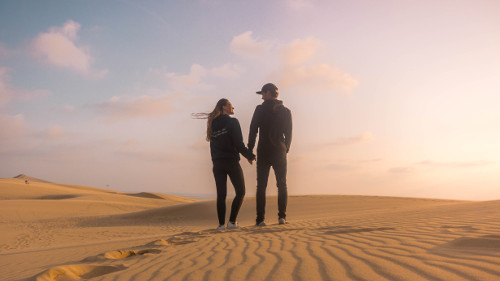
(53, 231)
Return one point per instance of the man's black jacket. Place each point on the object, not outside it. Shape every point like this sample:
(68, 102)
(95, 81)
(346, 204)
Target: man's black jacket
(273, 121)
(226, 141)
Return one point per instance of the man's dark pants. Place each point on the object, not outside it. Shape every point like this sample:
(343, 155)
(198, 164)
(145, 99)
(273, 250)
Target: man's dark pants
(264, 165)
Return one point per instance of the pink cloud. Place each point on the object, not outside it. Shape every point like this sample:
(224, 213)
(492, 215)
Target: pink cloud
(54, 133)
(68, 108)
(57, 47)
(465, 164)
(301, 51)
(12, 126)
(142, 107)
(361, 138)
(197, 72)
(5, 52)
(315, 78)
(299, 69)
(227, 71)
(245, 45)
(9, 93)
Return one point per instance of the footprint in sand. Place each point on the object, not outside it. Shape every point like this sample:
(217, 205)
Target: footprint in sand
(120, 254)
(76, 272)
(459, 228)
(486, 242)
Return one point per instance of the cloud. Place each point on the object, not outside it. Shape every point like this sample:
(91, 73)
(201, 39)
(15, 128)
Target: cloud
(246, 46)
(299, 69)
(338, 167)
(191, 80)
(132, 149)
(299, 66)
(401, 170)
(6, 92)
(142, 107)
(53, 133)
(198, 74)
(58, 47)
(364, 137)
(12, 126)
(5, 52)
(68, 108)
(300, 51)
(471, 164)
(9, 93)
(227, 70)
(316, 78)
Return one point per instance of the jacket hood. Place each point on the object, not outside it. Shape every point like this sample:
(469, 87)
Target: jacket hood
(275, 104)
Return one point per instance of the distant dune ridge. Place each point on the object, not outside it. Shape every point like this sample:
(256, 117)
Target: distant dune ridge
(31, 179)
(53, 231)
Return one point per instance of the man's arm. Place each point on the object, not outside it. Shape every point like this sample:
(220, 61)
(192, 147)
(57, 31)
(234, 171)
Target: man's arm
(288, 131)
(238, 140)
(254, 127)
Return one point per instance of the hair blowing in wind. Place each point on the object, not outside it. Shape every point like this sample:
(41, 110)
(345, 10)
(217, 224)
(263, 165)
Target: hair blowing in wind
(211, 116)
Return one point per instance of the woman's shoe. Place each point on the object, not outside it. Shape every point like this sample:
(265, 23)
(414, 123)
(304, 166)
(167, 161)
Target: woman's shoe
(234, 225)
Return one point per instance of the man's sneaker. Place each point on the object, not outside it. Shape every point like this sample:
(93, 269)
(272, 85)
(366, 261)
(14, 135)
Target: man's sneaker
(262, 223)
(221, 227)
(282, 221)
(234, 225)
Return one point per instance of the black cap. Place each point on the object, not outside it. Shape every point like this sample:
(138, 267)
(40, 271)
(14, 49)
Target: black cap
(268, 87)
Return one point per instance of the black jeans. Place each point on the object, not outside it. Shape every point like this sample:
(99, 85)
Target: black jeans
(223, 168)
(280, 168)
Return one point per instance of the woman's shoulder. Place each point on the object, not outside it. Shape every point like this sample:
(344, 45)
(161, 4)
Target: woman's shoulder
(234, 120)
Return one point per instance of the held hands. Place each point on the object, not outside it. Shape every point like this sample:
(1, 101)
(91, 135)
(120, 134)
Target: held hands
(251, 160)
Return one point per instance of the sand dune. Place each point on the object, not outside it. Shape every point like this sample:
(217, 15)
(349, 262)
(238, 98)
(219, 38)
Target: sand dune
(327, 238)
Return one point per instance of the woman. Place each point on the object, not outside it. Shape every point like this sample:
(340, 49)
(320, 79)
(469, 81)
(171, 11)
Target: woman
(226, 143)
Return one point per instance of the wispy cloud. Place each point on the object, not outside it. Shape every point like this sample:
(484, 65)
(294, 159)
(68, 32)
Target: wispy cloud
(9, 93)
(5, 52)
(199, 77)
(470, 164)
(245, 45)
(299, 64)
(58, 47)
(135, 150)
(12, 126)
(361, 138)
(300, 51)
(300, 68)
(119, 108)
(191, 80)
(227, 70)
(401, 170)
(53, 133)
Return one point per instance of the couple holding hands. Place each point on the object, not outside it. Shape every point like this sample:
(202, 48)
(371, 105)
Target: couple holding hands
(273, 122)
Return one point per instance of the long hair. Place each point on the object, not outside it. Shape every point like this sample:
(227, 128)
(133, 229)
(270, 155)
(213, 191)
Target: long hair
(211, 116)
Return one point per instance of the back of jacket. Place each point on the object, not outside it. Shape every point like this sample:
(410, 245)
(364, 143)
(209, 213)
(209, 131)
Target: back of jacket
(273, 121)
(226, 141)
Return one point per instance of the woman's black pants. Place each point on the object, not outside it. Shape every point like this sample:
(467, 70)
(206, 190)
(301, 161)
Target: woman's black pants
(222, 169)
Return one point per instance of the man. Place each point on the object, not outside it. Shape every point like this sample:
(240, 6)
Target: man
(273, 121)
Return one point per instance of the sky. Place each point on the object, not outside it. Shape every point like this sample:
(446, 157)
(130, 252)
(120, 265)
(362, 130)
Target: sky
(389, 98)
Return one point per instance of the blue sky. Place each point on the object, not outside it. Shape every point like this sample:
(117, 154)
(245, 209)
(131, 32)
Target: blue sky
(388, 98)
